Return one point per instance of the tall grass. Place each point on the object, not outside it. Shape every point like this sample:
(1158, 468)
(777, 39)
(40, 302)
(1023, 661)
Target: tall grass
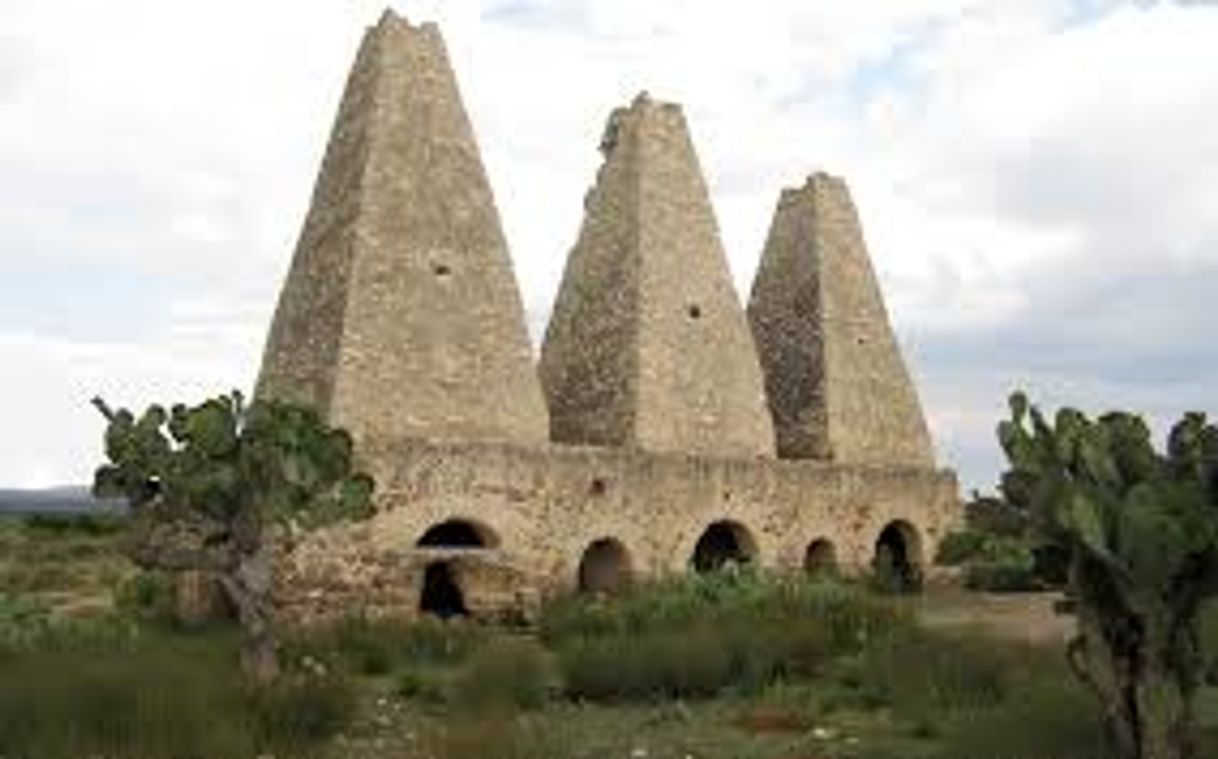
(698, 636)
(371, 646)
(104, 688)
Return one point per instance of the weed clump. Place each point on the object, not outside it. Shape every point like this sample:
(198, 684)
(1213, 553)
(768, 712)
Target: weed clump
(76, 694)
(506, 673)
(699, 636)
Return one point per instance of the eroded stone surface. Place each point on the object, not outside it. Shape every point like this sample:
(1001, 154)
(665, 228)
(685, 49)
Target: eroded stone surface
(401, 314)
(648, 346)
(837, 386)
(547, 506)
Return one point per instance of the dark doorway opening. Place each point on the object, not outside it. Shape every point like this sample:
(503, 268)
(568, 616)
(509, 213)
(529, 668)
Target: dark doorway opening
(897, 566)
(723, 543)
(441, 594)
(820, 560)
(605, 567)
(457, 533)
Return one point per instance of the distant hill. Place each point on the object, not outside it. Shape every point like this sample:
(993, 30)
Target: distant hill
(72, 499)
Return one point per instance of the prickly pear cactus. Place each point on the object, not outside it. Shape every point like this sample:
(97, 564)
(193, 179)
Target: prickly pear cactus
(209, 485)
(1141, 530)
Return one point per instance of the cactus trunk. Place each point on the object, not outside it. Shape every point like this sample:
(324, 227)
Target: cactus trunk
(1132, 661)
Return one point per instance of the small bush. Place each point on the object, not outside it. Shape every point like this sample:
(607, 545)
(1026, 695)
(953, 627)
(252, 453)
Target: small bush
(27, 627)
(77, 696)
(994, 516)
(428, 684)
(301, 710)
(506, 672)
(647, 666)
(379, 646)
(922, 673)
(997, 563)
(57, 525)
(1002, 576)
(1049, 716)
(958, 547)
(147, 597)
(699, 635)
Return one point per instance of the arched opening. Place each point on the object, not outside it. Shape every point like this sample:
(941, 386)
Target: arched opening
(722, 543)
(458, 533)
(897, 565)
(441, 594)
(820, 559)
(605, 567)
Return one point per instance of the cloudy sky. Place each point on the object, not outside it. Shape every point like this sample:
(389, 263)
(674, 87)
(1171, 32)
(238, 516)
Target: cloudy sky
(1038, 181)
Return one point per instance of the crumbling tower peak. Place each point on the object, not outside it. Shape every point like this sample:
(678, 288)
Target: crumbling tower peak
(837, 386)
(390, 17)
(648, 346)
(392, 21)
(400, 316)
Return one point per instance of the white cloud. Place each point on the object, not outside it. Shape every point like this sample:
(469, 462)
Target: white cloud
(1012, 159)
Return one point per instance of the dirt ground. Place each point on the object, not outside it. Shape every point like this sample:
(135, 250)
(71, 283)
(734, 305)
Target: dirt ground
(1026, 617)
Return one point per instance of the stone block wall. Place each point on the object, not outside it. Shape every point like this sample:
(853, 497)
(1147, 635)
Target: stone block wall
(542, 508)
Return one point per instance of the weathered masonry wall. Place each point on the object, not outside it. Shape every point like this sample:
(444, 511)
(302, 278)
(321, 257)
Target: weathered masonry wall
(648, 345)
(542, 508)
(837, 386)
(401, 313)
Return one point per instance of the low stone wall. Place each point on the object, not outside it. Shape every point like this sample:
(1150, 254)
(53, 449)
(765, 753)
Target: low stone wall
(537, 510)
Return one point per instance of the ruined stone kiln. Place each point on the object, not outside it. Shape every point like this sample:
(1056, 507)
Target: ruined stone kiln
(664, 430)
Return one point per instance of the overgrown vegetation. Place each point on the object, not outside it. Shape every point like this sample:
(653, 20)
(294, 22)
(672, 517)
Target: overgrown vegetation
(109, 686)
(865, 682)
(698, 636)
(991, 562)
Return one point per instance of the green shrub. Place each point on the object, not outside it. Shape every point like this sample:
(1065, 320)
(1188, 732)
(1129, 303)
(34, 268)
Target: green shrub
(373, 646)
(147, 597)
(424, 683)
(37, 577)
(506, 672)
(57, 525)
(696, 636)
(28, 626)
(1049, 716)
(922, 673)
(994, 516)
(1002, 576)
(170, 696)
(996, 563)
(958, 547)
(847, 612)
(301, 710)
(647, 666)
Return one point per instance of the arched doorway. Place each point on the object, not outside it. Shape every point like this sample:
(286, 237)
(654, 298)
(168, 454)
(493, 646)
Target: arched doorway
(441, 594)
(897, 565)
(722, 543)
(820, 559)
(458, 533)
(604, 567)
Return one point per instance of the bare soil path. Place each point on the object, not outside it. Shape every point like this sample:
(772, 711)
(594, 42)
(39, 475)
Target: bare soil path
(1025, 617)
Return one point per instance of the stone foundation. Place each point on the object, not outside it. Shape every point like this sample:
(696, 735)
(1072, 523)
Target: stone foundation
(539, 509)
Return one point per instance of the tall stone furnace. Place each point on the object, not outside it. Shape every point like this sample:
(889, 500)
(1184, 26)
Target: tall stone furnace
(664, 429)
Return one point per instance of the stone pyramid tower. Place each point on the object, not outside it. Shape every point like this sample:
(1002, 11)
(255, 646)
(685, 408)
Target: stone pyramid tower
(400, 315)
(648, 346)
(837, 386)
